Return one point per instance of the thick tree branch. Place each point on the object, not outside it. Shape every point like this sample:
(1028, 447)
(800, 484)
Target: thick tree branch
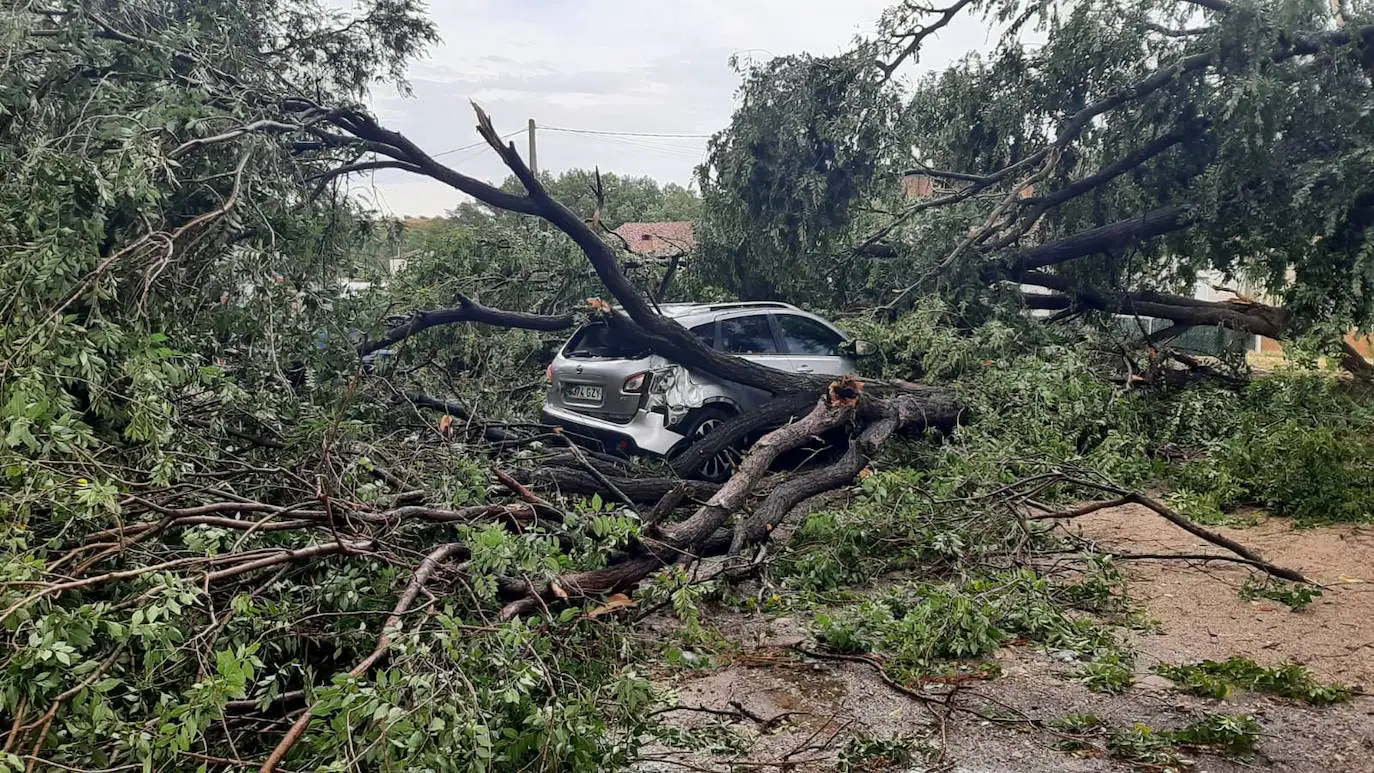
(362, 166)
(1252, 317)
(232, 134)
(791, 493)
(399, 147)
(1220, 6)
(706, 532)
(468, 310)
(688, 537)
(663, 335)
(1120, 234)
(1040, 204)
(1355, 362)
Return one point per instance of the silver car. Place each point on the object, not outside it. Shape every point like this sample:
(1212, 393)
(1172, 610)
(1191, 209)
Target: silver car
(630, 400)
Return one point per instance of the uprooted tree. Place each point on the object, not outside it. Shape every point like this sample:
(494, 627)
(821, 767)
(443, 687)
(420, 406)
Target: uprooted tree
(222, 528)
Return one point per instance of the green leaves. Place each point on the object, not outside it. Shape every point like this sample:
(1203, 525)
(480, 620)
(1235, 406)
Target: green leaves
(1298, 443)
(809, 144)
(920, 628)
(1214, 679)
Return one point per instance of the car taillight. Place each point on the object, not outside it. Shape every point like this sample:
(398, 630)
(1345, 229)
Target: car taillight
(635, 384)
(548, 374)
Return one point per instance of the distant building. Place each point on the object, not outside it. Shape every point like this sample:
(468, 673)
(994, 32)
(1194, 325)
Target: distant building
(658, 239)
(921, 185)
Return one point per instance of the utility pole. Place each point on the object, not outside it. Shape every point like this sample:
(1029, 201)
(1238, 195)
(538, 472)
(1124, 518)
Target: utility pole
(534, 159)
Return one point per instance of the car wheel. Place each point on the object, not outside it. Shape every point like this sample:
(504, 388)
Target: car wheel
(703, 422)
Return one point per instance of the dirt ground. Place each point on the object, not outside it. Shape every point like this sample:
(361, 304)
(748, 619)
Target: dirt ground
(1200, 616)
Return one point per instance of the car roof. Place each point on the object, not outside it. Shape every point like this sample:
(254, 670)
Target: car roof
(692, 314)
(680, 310)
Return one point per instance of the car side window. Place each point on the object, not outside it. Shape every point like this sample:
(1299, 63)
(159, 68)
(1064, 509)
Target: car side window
(747, 335)
(801, 335)
(705, 333)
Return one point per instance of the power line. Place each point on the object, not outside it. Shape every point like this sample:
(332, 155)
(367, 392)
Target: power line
(626, 134)
(477, 143)
(668, 149)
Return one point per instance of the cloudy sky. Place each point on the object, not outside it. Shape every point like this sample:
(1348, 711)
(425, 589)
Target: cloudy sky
(613, 70)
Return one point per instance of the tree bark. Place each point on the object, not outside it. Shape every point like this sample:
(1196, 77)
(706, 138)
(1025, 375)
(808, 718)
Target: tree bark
(467, 310)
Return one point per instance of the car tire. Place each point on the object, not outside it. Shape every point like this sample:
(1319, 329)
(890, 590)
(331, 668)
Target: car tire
(701, 423)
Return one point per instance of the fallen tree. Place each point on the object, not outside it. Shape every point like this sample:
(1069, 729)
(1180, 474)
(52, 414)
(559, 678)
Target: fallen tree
(1088, 178)
(231, 543)
(884, 407)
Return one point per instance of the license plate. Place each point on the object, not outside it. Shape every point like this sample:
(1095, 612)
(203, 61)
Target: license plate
(583, 392)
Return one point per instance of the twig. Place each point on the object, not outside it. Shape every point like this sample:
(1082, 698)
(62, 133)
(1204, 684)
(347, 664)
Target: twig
(417, 581)
(1220, 540)
(17, 724)
(1081, 510)
(1262, 566)
(666, 505)
(600, 477)
(289, 556)
(519, 489)
(877, 667)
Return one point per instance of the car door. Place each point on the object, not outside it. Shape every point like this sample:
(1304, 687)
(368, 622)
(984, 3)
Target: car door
(812, 346)
(751, 337)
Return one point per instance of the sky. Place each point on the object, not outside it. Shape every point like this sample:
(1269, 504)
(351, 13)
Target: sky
(612, 70)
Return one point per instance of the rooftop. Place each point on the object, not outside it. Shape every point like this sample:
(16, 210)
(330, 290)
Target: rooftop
(655, 239)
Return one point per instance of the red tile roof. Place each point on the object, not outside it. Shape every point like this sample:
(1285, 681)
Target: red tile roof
(658, 238)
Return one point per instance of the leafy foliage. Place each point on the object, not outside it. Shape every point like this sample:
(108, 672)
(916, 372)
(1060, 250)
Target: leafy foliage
(781, 186)
(920, 626)
(1110, 675)
(1215, 679)
(1295, 596)
(878, 754)
(1237, 139)
(209, 506)
(1230, 735)
(175, 329)
(1298, 443)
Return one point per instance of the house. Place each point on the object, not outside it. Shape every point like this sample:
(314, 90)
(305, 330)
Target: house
(658, 240)
(921, 185)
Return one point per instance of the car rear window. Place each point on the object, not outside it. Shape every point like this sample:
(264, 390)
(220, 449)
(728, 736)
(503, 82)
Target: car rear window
(596, 340)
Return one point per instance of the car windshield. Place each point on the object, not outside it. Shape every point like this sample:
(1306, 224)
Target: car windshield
(597, 340)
